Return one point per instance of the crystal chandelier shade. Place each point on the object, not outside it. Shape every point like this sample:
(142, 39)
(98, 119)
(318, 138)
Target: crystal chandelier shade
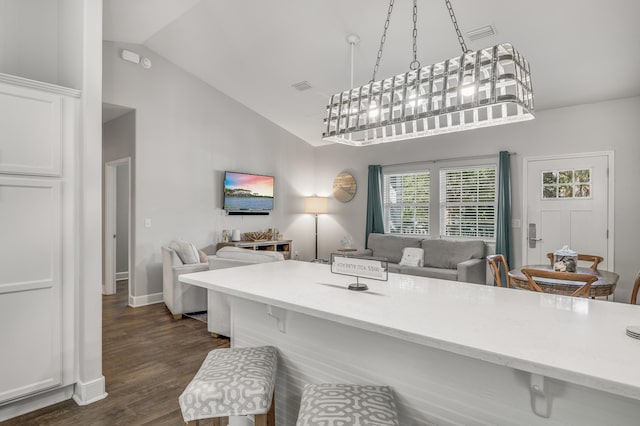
(488, 87)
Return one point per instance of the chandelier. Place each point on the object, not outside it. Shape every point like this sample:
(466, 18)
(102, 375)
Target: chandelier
(482, 88)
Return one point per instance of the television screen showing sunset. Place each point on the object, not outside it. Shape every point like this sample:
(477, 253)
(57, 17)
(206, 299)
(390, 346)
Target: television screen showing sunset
(244, 191)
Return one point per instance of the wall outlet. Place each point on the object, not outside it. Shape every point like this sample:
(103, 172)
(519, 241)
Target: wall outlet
(515, 223)
(147, 223)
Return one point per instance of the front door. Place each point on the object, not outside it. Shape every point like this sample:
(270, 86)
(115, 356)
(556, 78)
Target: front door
(567, 205)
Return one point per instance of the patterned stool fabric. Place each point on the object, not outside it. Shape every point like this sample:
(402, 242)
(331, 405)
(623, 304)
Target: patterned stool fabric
(342, 405)
(231, 382)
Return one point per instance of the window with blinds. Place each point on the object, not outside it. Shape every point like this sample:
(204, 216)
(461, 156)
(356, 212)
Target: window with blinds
(468, 202)
(406, 203)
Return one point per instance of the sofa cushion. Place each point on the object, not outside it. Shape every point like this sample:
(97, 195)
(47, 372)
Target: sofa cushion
(390, 246)
(246, 255)
(412, 256)
(441, 273)
(186, 251)
(447, 254)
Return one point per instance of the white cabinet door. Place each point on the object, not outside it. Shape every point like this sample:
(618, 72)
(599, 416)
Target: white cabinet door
(31, 131)
(30, 285)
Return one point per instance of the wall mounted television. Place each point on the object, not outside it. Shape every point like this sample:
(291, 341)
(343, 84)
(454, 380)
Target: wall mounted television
(246, 193)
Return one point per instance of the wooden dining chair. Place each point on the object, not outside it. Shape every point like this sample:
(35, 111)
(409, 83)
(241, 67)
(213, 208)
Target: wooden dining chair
(594, 259)
(636, 287)
(497, 261)
(583, 291)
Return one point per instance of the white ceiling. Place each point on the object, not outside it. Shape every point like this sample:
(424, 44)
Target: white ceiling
(580, 51)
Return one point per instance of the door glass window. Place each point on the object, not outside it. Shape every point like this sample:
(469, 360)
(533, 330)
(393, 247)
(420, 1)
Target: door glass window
(564, 184)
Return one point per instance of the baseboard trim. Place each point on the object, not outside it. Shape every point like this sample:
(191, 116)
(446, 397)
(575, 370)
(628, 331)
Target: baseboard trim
(147, 299)
(90, 392)
(35, 402)
(122, 276)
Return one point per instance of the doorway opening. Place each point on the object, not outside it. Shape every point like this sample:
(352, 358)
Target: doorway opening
(117, 236)
(118, 149)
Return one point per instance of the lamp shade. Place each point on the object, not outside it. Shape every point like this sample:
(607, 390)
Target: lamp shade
(316, 205)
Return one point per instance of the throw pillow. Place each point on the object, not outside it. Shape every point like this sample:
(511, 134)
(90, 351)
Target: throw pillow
(203, 256)
(412, 256)
(187, 252)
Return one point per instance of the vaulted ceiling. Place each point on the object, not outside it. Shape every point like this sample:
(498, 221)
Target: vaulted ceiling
(580, 51)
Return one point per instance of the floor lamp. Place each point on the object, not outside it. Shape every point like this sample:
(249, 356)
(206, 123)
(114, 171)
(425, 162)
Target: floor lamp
(316, 206)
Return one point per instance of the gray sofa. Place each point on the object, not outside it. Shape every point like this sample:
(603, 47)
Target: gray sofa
(448, 260)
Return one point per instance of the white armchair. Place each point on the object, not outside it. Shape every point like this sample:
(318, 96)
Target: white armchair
(219, 312)
(181, 298)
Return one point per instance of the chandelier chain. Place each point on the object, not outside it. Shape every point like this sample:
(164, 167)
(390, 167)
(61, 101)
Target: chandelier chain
(463, 45)
(415, 64)
(382, 40)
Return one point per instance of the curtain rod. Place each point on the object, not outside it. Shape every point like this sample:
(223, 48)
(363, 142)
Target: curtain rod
(474, 157)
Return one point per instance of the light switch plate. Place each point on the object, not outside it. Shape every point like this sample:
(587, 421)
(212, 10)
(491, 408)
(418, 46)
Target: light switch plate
(147, 223)
(515, 223)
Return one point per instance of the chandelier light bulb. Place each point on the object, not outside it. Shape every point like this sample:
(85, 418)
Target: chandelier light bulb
(467, 91)
(411, 101)
(468, 87)
(373, 109)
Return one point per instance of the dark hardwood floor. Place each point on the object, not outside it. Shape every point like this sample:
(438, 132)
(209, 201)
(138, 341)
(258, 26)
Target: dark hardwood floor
(148, 359)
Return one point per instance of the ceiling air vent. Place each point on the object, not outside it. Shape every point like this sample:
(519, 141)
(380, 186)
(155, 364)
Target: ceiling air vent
(482, 32)
(301, 86)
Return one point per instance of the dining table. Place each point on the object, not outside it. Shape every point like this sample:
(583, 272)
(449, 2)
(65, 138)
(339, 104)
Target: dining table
(605, 286)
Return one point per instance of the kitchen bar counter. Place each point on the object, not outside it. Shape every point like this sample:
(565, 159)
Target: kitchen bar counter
(577, 342)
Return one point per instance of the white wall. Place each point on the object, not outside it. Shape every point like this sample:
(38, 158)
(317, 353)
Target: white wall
(70, 42)
(119, 137)
(611, 125)
(42, 40)
(187, 135)
(29, 39)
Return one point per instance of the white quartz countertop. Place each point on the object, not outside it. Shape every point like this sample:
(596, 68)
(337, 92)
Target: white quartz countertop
(577, 340)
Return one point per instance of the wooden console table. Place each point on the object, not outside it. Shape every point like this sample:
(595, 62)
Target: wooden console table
(281, 246)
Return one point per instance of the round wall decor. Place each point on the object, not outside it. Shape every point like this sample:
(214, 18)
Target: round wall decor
(344, 187)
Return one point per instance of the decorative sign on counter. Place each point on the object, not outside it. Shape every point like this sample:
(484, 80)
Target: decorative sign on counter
(375, 269)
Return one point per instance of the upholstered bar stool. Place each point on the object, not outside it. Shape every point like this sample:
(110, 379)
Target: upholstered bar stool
(354, 405)
(233, 382)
